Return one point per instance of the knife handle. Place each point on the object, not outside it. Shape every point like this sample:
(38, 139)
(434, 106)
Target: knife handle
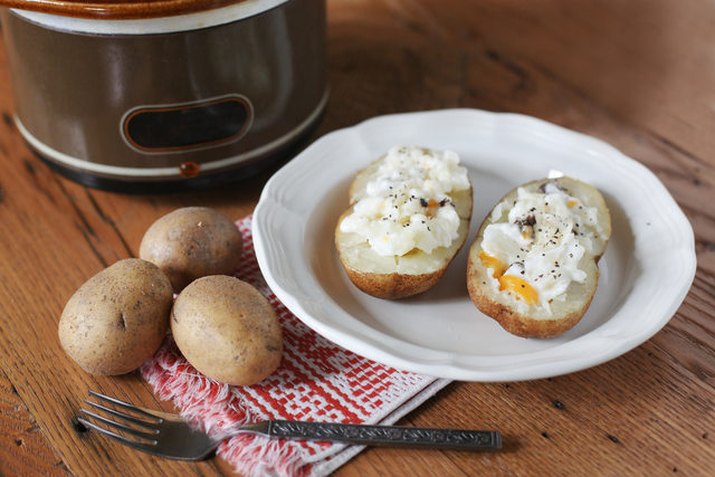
(458, 439)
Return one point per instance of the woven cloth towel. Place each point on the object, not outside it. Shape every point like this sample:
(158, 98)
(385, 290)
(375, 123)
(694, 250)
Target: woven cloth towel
(317, 381)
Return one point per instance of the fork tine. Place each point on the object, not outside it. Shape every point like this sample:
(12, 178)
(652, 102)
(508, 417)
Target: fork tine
(121, 415)
(144, 435)
(117, 437)
(125, 405)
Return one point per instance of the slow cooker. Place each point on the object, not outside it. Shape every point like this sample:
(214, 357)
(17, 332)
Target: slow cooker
(136, 94)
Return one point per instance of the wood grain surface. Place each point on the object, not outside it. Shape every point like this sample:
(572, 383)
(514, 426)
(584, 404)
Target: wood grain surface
(638, 74)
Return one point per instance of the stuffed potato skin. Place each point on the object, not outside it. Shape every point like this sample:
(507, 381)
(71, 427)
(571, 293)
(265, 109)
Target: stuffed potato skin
(563, 314)
(397, 276)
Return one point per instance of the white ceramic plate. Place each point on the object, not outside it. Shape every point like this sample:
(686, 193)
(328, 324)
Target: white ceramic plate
(646, 271)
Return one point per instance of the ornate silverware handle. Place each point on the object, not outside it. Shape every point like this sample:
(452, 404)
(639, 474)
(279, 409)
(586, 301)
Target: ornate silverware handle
(387, 435)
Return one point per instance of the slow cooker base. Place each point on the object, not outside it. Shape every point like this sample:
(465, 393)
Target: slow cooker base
(245, 171)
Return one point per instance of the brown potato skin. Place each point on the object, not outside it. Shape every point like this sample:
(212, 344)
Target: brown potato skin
(227, 330)
(118, 318)
(393, 286)
(192, 242)
(516, 323)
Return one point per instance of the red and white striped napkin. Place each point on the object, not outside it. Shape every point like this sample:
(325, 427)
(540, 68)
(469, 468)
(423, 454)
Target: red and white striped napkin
(317, 381)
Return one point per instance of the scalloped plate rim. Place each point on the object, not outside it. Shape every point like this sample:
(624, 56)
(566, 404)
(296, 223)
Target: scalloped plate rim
(545, 363)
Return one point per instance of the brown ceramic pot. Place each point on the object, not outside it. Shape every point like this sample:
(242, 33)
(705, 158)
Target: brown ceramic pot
(129, 94)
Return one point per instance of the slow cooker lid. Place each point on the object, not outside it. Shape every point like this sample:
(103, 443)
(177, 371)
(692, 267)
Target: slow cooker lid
(181, 21)
(127, 9)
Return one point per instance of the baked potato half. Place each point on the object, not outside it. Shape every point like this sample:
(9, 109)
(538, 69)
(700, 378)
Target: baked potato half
(411, 270)
(533, 266)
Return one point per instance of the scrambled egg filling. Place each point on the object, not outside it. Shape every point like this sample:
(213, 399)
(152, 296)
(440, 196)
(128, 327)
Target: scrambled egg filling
(407, 203)
(534, 252)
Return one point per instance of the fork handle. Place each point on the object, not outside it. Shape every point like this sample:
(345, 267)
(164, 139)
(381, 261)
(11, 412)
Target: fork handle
(387, 435)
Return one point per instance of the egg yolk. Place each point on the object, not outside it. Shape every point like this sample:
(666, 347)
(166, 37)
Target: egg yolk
(492, 262)
(519, 287)
(571, 203)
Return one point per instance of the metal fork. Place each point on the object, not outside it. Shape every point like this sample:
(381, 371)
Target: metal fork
(168, 435)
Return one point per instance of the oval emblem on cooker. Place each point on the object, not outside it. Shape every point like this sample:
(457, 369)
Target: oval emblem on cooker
(181, 127)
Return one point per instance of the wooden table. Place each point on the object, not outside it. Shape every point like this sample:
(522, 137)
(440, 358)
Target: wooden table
(638, 74)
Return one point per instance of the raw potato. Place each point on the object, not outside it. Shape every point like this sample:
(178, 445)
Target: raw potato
(396, 277)
(118, 318)
(192, 242)
(227, 330)
(565, 314)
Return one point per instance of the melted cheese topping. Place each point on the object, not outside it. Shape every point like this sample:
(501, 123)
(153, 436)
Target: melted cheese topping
(519, 287)
(492, 263)
(534, 252)
(407, 203)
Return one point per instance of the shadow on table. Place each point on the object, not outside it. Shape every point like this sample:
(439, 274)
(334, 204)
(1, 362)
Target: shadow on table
(542, 57)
